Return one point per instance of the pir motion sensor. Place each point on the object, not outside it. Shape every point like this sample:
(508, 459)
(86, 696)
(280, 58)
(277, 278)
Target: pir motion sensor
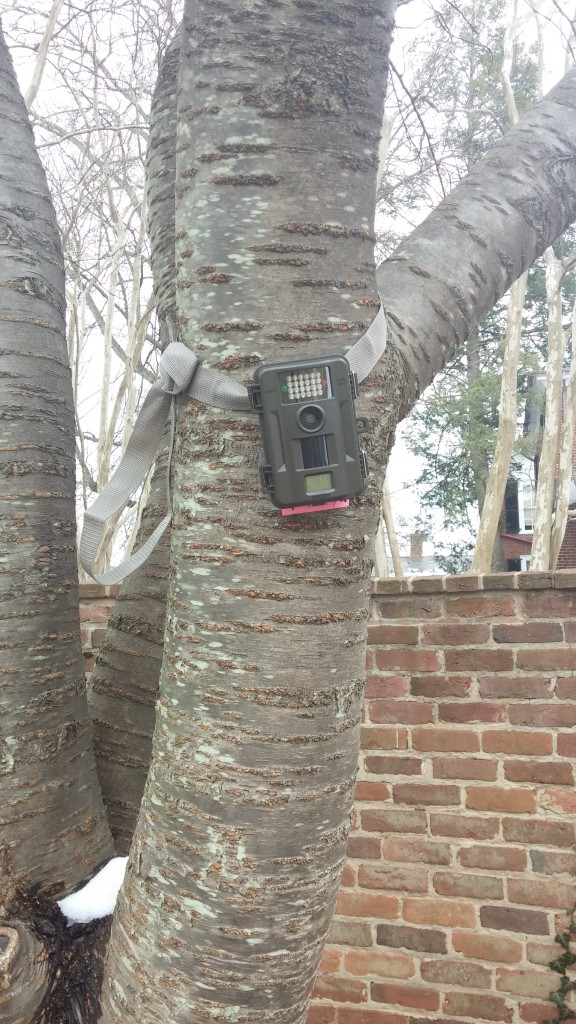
(312, 458)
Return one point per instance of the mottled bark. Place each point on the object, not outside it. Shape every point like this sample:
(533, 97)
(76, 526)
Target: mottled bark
(241, 838)
(124, 684)
(23, 973)
(52, 823)
(450, 271)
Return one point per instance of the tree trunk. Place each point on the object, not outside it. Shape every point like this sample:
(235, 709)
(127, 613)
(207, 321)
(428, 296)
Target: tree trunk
(247, 805)
(124, 684)
(53, 829)
(548, 465)
(507, 428)
(240, 840)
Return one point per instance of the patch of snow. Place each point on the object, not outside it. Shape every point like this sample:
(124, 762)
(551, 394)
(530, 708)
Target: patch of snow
(98, 897)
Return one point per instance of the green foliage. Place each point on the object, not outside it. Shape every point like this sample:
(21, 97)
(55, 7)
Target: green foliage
(565, 961)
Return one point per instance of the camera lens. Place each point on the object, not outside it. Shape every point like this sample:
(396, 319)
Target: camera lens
(310, 418)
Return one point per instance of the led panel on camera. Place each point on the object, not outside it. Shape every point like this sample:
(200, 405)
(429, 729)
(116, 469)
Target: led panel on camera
(309, 433)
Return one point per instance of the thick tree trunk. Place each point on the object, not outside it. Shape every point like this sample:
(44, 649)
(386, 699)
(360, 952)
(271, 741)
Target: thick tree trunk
(124, 684)
(52, 828)
(241, 839)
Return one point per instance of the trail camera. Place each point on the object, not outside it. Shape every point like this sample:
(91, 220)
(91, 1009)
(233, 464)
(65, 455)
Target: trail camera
(312, 457)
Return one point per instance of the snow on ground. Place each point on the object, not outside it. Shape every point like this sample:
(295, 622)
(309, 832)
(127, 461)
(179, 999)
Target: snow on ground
(98, 897)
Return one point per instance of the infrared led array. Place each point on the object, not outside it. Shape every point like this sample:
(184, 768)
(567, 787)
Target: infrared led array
(305, 384)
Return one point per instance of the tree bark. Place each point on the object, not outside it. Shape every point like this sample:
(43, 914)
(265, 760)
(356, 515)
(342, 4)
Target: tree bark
(241, 838)
(53, 829)
(124, 684)
(507, 428)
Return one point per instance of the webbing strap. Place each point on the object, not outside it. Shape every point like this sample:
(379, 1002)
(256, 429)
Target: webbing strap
(180, 373)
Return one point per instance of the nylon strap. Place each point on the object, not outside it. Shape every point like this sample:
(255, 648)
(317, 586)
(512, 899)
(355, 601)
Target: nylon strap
(180, 373)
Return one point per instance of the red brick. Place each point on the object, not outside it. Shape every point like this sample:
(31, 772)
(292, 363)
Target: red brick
(540, 833)
(457, 740)
(566, 689)
(489, 606)
(95, 613)
(393, 820)
(393, 738)
(372, 791)
(516, 687)
(350, 933)
(415, 851)
(440, 686)
(414, 996)
(321, 1015)
(449, 913)
(538, 1013)
(566, 744)
(553, 862)
(427, 584)
(527, 633)
(552, 773)
(405, 878)
(494, 858)
(451, 635)
(348, 876)
(463, 826)
(480, 887)
(538, 892)
(527, 982)
(540, 659)
(549, 605)
(560, 716)
(455, 972)
(379, 963)
(408, 660)
(330, 962)
(463, 581)
(570, 632)
(488, 947)
(512, 919)
(368, 905)
(499, 741)
(426, 794)
(508, 801)
(422, 940)
(401, 712)
(420, 609)
(559, 801)
(541, 953)
(388, 633)
(479, 660)
(350, 1016)
(485, 1008)
(386, 686)
(472, 711)
(393, 765)
(341, 990)
(464, 768)
(364, 847)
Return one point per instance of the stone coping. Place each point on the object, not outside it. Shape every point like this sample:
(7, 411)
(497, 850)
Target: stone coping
(561, 579)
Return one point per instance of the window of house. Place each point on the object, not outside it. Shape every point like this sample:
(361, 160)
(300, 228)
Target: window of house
(526, 505)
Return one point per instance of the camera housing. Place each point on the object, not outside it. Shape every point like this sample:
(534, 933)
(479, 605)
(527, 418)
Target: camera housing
(312, 456)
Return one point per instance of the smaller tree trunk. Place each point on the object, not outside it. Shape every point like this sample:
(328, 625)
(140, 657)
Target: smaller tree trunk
(547, 470)
(23, 973)
(496, 485)
(565, 457)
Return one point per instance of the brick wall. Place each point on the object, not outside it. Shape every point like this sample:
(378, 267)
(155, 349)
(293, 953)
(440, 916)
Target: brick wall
(462, 857)
(95, 606)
